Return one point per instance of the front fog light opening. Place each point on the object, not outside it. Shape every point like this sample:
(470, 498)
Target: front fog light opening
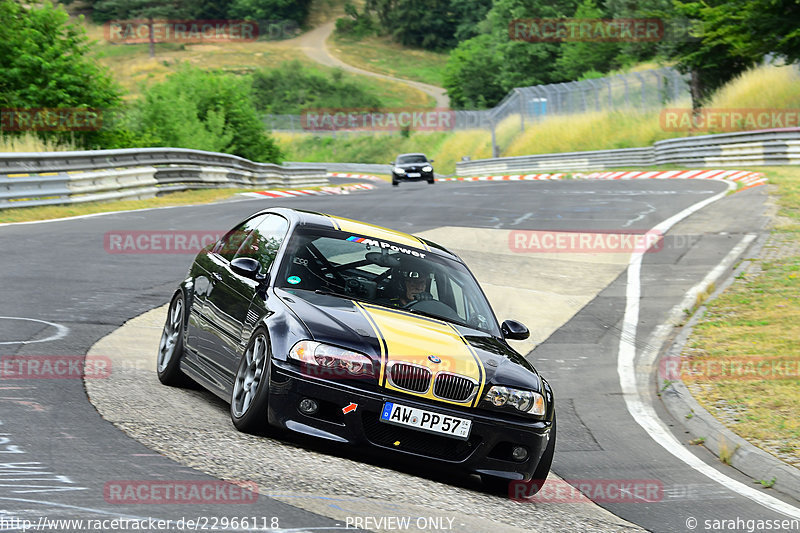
(519, 453)
(307, 406)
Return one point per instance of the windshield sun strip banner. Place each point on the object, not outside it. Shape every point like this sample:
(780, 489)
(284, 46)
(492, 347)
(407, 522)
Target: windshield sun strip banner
(414, 339)
(379, 233)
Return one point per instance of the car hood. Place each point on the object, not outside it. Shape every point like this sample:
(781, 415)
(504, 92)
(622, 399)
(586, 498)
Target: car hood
(393, 335)
(412, 165)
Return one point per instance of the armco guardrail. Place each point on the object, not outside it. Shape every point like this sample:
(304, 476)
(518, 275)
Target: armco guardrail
(356, 168)
(31, 179)
(765, 147)
(600, 159)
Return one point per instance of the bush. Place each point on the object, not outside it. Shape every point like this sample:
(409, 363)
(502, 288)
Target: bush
(291, 89)
(202, 110)
(44, 65)
(357, 25)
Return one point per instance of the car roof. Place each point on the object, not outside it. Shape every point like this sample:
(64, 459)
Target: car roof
(300, 217)
(413, 153)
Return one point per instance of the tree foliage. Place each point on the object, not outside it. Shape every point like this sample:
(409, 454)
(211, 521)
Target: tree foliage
(292, 89)
(296, 10)
(44, 65)
(730, 37)
(202, 110)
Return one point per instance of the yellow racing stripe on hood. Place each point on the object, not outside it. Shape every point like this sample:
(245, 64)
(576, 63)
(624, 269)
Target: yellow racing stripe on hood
(411, 339)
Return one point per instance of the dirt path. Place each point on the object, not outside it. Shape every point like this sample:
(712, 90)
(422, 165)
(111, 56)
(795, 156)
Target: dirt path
(314, 45)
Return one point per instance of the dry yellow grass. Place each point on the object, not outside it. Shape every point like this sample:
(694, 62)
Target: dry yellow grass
(31, 143)
(133, 68)
(596, 130)
(765, 87)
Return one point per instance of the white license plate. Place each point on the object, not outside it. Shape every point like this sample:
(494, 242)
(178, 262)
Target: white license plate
(413, 174)
(402, 415)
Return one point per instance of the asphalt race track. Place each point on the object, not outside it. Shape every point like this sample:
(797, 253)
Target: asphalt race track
(63, 290)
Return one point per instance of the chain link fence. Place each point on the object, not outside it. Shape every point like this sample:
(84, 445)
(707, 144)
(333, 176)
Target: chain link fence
(650, 89)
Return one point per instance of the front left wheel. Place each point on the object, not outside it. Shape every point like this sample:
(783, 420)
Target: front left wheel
(251, 385)
(170, 349)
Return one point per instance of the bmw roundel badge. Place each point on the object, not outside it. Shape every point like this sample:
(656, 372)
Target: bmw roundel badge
(434, 359)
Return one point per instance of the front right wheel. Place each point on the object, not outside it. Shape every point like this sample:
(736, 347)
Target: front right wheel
(251, 385)
(170, 349)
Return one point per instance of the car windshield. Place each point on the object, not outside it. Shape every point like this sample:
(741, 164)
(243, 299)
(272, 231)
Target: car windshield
(385, 273)
(414, 158)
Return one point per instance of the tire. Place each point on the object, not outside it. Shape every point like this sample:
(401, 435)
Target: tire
(395, 183)
(170, 349)
(430, 181)
(251, 385)
(498, 485)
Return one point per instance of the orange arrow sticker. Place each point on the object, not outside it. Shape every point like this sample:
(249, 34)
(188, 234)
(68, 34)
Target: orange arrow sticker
(350, 408)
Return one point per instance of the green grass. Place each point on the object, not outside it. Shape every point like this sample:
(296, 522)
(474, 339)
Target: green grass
(756, 321)
(381, 55)
(193, 197)
(133, 68)
(27, 142)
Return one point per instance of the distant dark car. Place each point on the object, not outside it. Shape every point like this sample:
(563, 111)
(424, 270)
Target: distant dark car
(412, 167)
(360, 335)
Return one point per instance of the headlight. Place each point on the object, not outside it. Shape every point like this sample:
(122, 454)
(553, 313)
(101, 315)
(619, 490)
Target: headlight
(523, 400)
(427, 168)
(398, 170)
(327, 357)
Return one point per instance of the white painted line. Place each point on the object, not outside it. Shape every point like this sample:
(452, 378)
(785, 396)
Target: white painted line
(61, 331)
(641, 411)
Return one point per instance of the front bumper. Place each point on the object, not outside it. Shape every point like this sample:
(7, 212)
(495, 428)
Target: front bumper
(486, 452)
(423, 176)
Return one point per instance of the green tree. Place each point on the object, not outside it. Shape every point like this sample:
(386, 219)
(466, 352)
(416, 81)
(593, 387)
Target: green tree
(295, 10)
(714, 52)
(468, 16)
(290, 89)
(44, 65)
(206, 111)
(428, 24)
(577, 57)
(468, 78)
(515, 63)
(732, 37)
(150, 10)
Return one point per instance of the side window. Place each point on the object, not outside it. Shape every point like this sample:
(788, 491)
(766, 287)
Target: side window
(263, 242)
(230, 243)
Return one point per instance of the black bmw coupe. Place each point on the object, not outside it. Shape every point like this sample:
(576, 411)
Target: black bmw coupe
(361, 335)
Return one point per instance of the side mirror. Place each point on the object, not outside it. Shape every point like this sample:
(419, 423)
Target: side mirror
(514, 330)
(248, 268)
(430, 160)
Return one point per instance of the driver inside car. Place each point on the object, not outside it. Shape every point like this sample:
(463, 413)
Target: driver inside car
(414, 287)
